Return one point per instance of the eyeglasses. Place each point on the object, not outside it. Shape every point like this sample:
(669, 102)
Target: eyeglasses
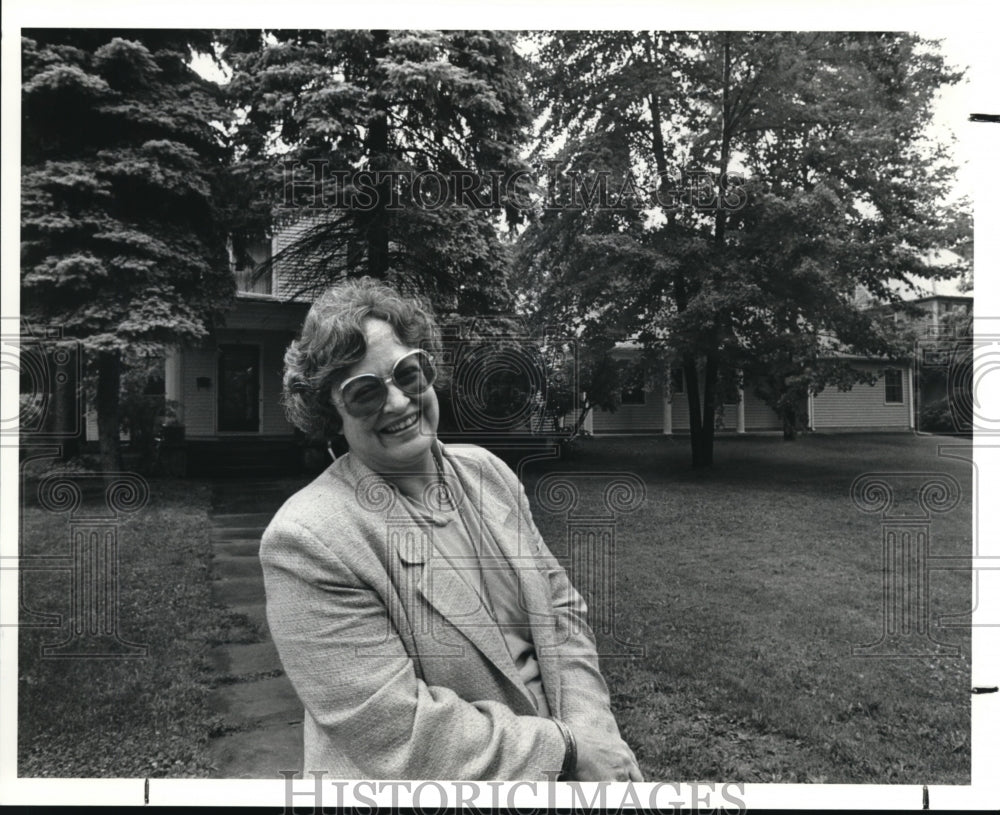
(365, 394)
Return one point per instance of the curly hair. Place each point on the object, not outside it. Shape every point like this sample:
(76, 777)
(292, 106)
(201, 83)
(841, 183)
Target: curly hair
(333, 339)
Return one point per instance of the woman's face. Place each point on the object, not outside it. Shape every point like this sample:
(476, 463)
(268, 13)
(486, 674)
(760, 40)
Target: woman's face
(398, 437)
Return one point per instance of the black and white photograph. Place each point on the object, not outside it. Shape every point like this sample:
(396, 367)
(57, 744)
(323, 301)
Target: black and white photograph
(563, 407)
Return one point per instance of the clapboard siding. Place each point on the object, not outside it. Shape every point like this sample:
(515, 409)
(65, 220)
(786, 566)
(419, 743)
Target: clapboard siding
(199, 405)
(757, 414)
(648, 418)
(632, 418)
(863, 406)
(291, 277)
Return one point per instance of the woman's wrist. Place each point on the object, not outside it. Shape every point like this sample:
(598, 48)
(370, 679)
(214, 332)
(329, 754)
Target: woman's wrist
(570, 756)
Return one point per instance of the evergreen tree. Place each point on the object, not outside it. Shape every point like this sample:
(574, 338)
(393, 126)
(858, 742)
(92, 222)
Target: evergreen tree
(336, 104)
(122, 246)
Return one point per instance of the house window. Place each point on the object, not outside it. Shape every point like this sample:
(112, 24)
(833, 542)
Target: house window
(254, 274)
(893, 386)
(634, 396)
(677, 380)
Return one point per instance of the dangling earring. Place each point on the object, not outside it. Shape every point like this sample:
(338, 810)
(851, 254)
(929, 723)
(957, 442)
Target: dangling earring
(329, 449)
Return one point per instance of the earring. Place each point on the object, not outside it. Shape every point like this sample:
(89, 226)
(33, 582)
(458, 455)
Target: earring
(329, 449)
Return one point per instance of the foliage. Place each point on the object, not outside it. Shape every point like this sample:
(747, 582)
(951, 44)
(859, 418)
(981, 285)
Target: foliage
(122, 241)
(361, 102)
(769, 179)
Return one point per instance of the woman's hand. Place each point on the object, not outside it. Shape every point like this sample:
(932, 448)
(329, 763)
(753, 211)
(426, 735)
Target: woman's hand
(603, 757)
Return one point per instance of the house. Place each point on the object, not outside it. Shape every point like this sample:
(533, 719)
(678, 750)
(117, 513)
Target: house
(892, 403)
(224, 395)
(227, 391)
(886, 406)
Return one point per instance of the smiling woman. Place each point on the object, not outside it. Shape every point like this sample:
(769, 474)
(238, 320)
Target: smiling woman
(426, 627)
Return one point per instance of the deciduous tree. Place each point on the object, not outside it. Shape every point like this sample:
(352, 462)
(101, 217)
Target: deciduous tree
(779, 175)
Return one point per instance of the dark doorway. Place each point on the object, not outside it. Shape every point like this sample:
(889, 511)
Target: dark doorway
(239, 388)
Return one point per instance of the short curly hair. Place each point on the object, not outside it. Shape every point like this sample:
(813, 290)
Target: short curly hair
(333, 339)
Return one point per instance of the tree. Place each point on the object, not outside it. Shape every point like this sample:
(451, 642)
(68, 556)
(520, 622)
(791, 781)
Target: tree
(122, 245)
(338, 126)
(759, 182)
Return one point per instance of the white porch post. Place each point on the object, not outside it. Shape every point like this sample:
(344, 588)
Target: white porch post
(809, 408)
(912, 400)
(172, 381)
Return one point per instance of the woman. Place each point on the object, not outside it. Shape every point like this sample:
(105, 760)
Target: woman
(426, 627)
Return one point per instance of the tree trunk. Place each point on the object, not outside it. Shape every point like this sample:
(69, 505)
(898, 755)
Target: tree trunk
(788, 420)
(694, 411)
(68, 422)
(708, 418)
(108, 385)
(378, 153)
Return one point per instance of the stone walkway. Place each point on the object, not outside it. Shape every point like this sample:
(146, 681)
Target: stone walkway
(261, 732)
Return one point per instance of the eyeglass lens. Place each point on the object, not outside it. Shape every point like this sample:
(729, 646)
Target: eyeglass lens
(413, 374)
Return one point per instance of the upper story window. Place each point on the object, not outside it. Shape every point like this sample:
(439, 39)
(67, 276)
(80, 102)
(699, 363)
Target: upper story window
(254, 274)
(893, 386)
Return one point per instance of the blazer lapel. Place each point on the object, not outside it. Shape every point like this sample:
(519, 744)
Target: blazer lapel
(511, 536)
(450, 593)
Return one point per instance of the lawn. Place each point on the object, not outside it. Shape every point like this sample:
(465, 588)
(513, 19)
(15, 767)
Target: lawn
(748, 585)
(137, 717)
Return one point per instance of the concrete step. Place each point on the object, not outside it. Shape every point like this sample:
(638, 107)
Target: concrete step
(238, 591)
(260, 753)
(237, 547)
(222, 533)
(237, 519)
(262, 701)
(229, 567)
(235, 660)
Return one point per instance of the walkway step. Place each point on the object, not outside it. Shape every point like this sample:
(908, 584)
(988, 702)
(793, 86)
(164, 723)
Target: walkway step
(238, 547)
(238, 591)
(235, 660)
(229, 567)
(241, 518)
(260, 753)
(229, 532)
(264, 701)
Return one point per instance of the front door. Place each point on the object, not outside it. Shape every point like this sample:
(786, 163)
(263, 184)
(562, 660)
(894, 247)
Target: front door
(239, 388)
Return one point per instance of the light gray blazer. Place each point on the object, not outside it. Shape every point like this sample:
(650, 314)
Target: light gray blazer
(402, 672)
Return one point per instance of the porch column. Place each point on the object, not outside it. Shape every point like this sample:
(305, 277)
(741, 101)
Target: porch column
(173, 389)
(910, 391)
(809, 409)
(668, 410)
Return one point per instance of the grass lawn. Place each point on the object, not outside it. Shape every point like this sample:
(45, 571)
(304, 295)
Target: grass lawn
(748, 585)
(144, 717)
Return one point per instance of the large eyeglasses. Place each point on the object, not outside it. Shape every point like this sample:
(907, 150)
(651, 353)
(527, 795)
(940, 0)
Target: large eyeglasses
(365, 394)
